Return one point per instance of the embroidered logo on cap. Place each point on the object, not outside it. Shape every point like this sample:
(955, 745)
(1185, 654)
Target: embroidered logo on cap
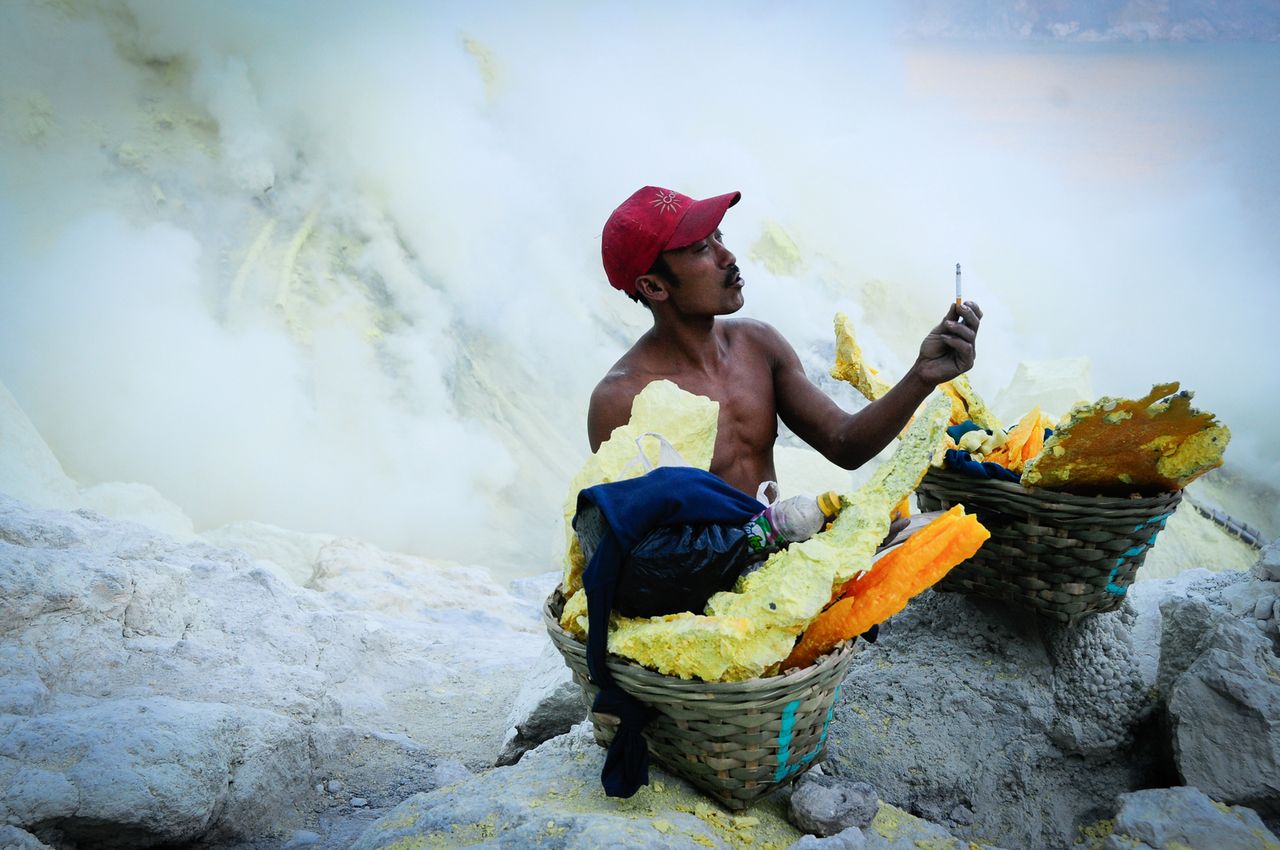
(666, 201)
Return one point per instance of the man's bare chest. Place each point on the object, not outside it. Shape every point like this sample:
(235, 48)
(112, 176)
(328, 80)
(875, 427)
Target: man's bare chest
(748, 411)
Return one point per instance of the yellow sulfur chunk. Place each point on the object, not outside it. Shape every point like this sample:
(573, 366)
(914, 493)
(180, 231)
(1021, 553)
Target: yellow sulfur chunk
(715, 649)
(573, 619)
(850, 366)
(967, 404)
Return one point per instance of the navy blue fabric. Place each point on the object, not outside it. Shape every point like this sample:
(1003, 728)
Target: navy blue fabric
(669, 495)
(961, 462)
(955, 432)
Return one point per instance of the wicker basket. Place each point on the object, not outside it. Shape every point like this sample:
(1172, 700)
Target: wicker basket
(736, 741)
(1066, 557)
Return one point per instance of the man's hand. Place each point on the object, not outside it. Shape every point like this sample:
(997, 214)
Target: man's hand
(948, 350)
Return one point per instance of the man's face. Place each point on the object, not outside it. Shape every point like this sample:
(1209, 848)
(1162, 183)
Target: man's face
(707, 277)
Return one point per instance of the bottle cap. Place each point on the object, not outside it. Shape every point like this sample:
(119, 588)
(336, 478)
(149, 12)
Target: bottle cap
(829, 504)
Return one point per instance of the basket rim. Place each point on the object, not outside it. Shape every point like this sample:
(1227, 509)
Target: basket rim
(957, 480)
(695, 689)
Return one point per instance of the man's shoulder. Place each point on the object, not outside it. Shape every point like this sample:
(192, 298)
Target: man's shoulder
(755, 333)
(622, 377)
(624, 380)
(611, 400)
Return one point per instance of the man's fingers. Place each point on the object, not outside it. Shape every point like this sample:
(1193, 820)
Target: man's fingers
(969, 334)
(976, 310)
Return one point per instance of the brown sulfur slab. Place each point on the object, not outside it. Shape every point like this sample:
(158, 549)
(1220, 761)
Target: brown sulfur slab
(1119, 447)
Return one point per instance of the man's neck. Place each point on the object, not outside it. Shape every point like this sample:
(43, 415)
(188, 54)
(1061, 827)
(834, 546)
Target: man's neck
(688, 343)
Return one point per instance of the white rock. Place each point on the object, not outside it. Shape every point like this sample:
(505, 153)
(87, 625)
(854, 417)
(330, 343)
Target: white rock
(849, 839)
(12, 838)
(1262, 608)
(28, 469)
(292, 553)
(1024, 724)
(158, 768)
(140, 503)
(549, 704)
(302, 838)
(236, 674)
(1267, 566)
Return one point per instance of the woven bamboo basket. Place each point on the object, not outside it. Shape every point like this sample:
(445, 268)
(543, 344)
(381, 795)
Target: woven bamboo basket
(736, 741)
(1064, 556)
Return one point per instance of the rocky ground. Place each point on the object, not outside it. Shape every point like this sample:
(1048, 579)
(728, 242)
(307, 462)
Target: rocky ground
(253, 688)
(156, 692)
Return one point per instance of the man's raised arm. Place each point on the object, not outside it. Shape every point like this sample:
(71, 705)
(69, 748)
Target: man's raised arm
(850, 440)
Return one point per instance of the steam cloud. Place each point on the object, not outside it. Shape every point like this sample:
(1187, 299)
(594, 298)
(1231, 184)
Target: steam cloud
(338, 270)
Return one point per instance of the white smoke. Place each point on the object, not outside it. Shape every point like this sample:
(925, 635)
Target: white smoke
(338, 269)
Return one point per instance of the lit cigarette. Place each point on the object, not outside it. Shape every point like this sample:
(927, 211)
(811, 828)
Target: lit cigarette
(958, 301)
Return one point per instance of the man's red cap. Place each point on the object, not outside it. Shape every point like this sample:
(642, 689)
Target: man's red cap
(651, 221)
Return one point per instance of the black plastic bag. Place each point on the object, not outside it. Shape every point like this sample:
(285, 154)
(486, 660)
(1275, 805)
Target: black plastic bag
(678, 568)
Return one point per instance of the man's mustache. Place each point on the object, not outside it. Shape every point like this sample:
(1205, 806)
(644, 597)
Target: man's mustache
(731, 274)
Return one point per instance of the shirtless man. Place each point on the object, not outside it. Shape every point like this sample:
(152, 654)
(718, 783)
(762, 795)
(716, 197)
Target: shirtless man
(665, 250)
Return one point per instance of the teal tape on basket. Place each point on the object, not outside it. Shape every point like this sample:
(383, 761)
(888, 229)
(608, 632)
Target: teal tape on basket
(784, 738)
(1158, 521)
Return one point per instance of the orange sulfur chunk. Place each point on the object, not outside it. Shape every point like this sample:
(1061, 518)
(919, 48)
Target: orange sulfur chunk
(904, 572)
(1024, 442)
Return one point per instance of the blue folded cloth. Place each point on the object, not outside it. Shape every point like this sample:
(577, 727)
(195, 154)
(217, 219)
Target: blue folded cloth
(961, 462)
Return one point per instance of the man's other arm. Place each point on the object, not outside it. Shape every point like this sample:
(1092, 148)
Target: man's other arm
(851, 439)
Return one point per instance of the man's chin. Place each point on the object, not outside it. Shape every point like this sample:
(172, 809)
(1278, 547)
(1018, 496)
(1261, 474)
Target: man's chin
(735, 305)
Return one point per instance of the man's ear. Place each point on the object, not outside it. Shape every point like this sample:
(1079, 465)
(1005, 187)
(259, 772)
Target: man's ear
(652, 287)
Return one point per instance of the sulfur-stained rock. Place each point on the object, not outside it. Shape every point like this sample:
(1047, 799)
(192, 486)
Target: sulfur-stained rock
(552, 800)
(1185, 818)
(1118, 446)
(850, 365)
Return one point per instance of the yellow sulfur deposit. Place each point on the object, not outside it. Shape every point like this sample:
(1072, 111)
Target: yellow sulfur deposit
(749, 630)
(850, 366)
(1121, 446)
(686, 420)
(966, 404)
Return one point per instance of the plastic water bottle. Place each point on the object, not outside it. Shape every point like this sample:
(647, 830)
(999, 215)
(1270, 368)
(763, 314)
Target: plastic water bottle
(790, 521)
